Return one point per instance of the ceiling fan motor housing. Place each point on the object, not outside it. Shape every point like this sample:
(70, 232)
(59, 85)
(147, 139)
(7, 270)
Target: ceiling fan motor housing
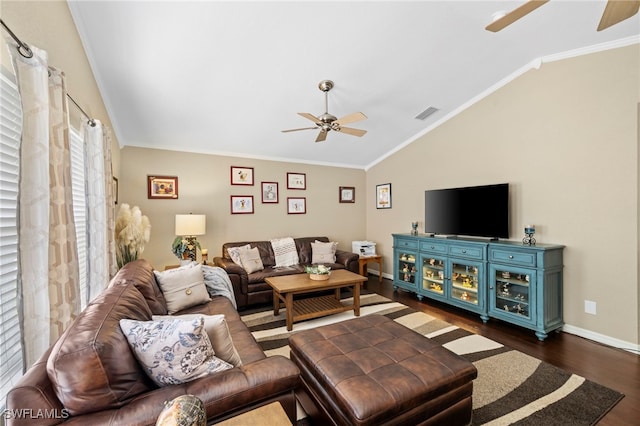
(325, 85)
(327, 118)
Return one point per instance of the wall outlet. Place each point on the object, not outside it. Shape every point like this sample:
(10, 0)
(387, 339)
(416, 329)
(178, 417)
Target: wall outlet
(590, 307)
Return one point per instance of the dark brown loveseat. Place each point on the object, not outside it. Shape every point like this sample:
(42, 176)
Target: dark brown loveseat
(251, 289)
(96, 380)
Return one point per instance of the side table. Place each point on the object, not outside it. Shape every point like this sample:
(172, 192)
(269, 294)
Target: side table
(364, 260)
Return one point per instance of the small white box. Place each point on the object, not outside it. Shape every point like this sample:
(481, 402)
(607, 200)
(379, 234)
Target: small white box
(364, 248)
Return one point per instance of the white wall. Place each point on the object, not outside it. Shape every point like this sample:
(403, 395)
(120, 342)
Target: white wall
(565, 138)
(204, 188)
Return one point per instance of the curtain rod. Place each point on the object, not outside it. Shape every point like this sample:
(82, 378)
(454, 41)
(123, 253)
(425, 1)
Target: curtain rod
(25, 51)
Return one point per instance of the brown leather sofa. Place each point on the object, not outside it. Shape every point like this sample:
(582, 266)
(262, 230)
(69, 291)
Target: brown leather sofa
(251, 289)
(96, 379)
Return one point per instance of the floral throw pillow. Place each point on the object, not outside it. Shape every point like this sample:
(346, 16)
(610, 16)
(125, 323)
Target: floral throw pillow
(218, 331)
(172, 351)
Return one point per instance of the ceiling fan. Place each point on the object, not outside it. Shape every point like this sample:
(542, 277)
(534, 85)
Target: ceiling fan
(616, 11)
(327, 122)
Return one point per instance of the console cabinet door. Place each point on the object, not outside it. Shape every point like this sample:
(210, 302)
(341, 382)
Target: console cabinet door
(405, 269)
(466, 284)
(512, 295)
(433, 276)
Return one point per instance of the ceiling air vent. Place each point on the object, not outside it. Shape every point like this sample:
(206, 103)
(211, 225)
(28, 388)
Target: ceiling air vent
(426, 113)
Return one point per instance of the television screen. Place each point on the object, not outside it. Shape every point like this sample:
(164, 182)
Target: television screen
(479, 211)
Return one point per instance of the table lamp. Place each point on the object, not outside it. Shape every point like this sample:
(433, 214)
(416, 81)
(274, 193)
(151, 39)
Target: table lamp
(188, 226)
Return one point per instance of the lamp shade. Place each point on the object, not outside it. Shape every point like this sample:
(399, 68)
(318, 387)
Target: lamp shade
(191, 224)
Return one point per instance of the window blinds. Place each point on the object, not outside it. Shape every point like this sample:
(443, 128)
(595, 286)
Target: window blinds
(78, 185)
(11, 357)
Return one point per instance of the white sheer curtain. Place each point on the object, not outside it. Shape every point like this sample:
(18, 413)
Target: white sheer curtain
(33, 201)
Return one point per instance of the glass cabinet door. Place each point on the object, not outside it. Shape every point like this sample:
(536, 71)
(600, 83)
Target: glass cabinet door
(512, 292)
(406, 267)
(464, 283)
(433, 274)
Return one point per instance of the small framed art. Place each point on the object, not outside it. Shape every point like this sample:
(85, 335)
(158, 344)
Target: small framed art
(383, 196)
(241, 175)
(296, 181)
(241, 204)
(347, 194)
(270, 192)
(296, 205)
(162, 187)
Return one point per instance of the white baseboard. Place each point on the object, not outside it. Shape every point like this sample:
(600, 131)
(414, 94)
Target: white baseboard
(571, 329)
(602, 338)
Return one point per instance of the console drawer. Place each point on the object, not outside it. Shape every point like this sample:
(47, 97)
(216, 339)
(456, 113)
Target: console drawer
(406, 244)
(466, 251)
(510, 257)
(433, 247)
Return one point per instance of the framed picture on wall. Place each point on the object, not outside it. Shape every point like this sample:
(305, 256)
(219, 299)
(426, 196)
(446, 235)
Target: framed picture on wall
(383, 196)
(241, 175)
(241, 204)
(296, 181)
(270, 192)
(296, 205)
(159, 187)
(347, 194)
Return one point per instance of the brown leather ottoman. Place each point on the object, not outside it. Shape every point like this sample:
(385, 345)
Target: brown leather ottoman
(374, 371)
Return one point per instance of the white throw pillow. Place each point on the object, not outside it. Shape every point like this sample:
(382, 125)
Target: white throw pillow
(234, 253)
(172, 351)
(251, 261)
(323, 252)
(182, 287)
(284, 250)
(218, 331)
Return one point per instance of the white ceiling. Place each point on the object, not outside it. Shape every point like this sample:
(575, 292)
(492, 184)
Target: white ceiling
(225, 77)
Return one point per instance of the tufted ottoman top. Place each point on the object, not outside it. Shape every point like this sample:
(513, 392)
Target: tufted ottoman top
(371, 368)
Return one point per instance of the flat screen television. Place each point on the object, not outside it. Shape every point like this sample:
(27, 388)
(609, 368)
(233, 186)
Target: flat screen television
(477, 211)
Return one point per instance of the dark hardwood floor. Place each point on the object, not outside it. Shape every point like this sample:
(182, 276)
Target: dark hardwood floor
(611, 367)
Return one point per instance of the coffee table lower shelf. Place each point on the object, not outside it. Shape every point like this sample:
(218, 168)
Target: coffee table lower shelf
(315, 307)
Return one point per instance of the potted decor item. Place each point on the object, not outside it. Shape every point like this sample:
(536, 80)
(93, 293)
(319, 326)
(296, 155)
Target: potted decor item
(182, 246)
(132, 231)
(318, 272)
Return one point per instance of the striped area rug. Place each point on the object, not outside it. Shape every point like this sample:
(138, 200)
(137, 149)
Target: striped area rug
(511, 388)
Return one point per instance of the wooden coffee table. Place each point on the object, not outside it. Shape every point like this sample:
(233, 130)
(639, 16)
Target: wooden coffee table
(285, 287)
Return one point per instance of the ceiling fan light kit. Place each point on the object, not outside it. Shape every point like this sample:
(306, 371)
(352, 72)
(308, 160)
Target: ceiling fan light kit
(615, 11)
(327, 122)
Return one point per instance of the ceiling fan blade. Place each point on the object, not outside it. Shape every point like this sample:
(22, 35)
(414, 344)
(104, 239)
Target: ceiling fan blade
(322, 136)
(351, 131)
(351, 118)
(617, 11)
(310, 117)
(295, 130)
(514, 15)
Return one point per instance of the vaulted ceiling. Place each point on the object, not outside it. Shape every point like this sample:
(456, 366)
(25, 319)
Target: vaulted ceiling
(226, 77)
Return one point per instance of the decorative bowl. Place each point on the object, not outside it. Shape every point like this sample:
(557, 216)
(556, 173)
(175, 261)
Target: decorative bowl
(319, 277)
